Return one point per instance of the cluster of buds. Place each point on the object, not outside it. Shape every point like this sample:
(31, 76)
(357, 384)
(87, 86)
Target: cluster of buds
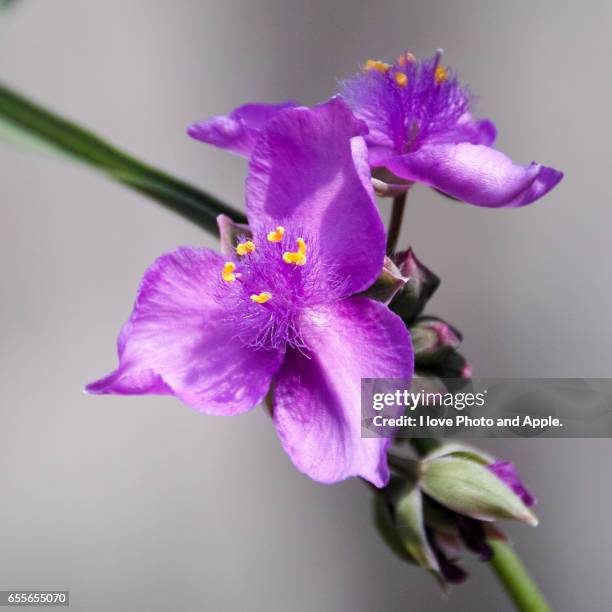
(445, 502)
(406, 285)
(436, 507)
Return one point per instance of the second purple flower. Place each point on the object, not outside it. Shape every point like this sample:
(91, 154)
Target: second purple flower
(420, 129)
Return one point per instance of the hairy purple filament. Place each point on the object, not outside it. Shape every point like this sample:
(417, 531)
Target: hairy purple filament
(419, 100)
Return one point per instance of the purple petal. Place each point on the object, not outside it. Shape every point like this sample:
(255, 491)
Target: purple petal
(238, 131)
(485, 133)
(317, 391)
(507, 473)
(176, 341)
(467, 129)
(476, 174)
(309, 173)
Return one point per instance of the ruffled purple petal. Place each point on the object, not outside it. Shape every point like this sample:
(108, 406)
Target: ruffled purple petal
(177, 343)
(310, 174)
(238, 131)
(476, 174)
(507, 473)
(317, 391)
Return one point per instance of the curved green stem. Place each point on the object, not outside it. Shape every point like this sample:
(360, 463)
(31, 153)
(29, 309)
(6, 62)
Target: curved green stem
(515, 579)
(69, 138)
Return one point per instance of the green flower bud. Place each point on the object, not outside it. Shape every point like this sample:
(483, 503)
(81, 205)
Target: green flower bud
(383, 519)
(460, 449)
(423, 380)
(399, 518)
(230, 234)
(471, 489)
(433, 340)
(388, 283)
(453, 365)
(421, 284)
(411, 528)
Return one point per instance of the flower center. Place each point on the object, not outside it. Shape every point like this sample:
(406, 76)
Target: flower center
(272, 279)
(408, 103)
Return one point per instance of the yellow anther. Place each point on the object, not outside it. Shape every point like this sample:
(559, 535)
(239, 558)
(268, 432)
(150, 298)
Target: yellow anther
(261, 298)
(440, 74)
(245, 247)
(406, 58)
(227, 274)
(277, 235)
(382, 67)
(401, 79)
(296, 257)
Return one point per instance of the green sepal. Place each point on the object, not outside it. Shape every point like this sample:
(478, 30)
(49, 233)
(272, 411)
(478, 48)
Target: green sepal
(470, 488)
(388, 531)
(411, 528)
(460, 449)
(231, 233)
(388, 283)
(420, 286)
(433, 340)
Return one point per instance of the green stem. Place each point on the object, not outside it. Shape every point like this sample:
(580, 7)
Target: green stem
(69, 138)
(395, 223)
(515, 579)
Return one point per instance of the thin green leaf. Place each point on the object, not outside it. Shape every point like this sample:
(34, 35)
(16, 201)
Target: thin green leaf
(42, 128)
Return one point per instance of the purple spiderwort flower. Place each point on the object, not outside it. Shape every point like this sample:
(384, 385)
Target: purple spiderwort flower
(281, 315)
(420, 130)
(507, 473)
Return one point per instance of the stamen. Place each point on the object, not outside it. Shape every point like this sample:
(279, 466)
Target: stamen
(296, 257)
(440, 74)
(245, 247)
(401, 79)
(277, 236)
(381, 67)
(261, 298)
(227, 274)
(406, 58)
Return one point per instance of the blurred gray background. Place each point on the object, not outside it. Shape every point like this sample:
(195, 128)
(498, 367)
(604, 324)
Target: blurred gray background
(140, 503)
